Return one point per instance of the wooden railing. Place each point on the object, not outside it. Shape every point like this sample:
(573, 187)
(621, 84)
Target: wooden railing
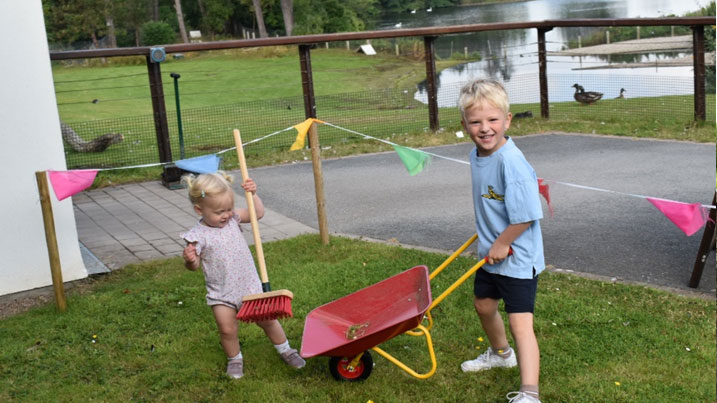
(305, 43)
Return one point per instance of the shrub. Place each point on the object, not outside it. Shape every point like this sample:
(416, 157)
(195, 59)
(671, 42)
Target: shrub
(157, 33)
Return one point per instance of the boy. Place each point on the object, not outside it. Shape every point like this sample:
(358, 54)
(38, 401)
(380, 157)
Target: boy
(507, 210)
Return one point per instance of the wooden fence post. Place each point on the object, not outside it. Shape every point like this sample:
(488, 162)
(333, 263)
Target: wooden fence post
(51, 237)
(318, 183)
(307, 81)
(160, 111)
(543, 73)
(431, 87)
(698, 53)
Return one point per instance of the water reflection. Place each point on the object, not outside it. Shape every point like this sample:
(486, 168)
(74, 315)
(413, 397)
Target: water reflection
(512, 55)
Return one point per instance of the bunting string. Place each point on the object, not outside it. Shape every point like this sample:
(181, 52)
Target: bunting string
(688, 217)
(366, 136)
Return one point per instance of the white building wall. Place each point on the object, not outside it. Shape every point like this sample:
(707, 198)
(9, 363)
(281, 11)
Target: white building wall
(30, 140)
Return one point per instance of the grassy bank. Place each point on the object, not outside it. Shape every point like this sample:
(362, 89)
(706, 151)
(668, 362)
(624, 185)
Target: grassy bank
(120, 88)
(145, 333)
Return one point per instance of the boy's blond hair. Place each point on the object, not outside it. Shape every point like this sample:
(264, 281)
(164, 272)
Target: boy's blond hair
(207, 185)
(482, 92)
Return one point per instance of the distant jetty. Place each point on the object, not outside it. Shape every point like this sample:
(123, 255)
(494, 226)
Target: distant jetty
(649, 45)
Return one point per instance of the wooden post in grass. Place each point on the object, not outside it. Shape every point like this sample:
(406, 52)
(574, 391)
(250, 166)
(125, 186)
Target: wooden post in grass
(318, 183)
(707, 244)
(48, 219)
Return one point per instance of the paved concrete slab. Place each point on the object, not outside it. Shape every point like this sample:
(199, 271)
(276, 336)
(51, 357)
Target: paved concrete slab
(139, 222)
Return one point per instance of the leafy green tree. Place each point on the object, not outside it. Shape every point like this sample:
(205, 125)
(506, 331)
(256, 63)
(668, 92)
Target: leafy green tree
(74, 20)
(157, 33)
(328, 16)
(215, 15)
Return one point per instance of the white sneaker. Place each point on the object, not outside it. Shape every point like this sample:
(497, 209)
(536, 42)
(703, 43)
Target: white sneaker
(521, 397)
(489, 360)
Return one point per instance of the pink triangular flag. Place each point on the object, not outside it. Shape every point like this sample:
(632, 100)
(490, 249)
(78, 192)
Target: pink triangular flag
(687, 217)
(544, 190)
(68, 183)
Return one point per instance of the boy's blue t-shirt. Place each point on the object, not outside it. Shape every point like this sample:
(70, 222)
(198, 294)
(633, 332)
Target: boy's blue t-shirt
(505, 191)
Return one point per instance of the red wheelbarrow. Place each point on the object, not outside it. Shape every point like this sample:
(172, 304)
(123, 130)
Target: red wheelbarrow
(345, 329)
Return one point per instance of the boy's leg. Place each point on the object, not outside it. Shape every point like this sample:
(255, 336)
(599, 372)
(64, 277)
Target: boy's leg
(487, 309)
(227, 326)
(521, 326)
(500, 354)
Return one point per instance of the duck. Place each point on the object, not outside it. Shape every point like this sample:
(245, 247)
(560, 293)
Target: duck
(413, 11)
(429, 9)
(398, 25)
(586, 97)
(622, 94)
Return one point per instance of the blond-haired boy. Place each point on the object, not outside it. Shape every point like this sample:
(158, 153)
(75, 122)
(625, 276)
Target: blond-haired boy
(508, 212)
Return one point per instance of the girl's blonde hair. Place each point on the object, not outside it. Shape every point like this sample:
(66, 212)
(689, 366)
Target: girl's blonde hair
(481, 92)
(207, 185)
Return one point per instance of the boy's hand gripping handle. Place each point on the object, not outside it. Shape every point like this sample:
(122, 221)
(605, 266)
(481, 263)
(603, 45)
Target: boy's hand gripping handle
(252, 214)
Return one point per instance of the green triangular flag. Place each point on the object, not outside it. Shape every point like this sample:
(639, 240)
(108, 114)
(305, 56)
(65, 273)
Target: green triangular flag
(414, 160)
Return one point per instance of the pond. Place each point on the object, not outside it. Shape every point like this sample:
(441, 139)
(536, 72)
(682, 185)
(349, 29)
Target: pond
(511, 56)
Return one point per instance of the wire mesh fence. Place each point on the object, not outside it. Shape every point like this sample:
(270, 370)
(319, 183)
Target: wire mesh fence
(381, 113)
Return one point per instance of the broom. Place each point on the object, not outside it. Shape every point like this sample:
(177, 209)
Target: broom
(269, 304)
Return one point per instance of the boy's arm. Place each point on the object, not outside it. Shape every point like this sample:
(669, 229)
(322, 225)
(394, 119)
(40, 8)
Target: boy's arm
(500, 248)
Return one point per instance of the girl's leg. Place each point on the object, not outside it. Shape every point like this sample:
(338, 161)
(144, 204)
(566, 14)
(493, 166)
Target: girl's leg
(273, 331)
(227, 326)
(521, 326)
(276, 334)
(487, 309)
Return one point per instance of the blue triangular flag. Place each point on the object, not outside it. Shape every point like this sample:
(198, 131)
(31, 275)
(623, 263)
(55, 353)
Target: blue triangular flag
(205, 164)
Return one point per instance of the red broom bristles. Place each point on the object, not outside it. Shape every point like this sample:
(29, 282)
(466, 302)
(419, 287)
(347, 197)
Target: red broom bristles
(262, 309)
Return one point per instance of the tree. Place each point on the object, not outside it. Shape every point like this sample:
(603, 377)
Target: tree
(287, 10)
(109, 21)
(180, 21)
(259, 18)
(215, 16)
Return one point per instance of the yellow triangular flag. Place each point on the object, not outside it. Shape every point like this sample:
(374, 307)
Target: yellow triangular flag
(302, 128)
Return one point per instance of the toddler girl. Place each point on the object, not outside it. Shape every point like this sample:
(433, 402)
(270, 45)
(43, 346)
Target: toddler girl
(217, 244)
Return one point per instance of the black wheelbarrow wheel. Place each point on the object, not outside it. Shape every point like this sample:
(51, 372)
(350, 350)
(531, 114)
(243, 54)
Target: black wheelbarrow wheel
(339, 367)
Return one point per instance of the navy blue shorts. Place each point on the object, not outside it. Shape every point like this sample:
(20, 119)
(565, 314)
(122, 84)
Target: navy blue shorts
(517, 293)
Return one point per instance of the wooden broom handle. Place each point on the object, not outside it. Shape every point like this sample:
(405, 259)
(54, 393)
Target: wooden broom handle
(252, 213)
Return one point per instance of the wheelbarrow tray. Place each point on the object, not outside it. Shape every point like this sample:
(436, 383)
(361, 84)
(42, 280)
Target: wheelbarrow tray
(359, 321)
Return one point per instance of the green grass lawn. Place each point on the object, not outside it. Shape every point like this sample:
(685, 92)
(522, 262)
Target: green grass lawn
(121, 87)
(145, 333)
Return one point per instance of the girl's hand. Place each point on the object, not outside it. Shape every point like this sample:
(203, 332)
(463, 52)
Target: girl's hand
(191, 259)
(249, 185)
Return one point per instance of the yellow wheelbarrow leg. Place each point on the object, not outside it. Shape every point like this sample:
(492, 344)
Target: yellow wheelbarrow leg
(427, 317)
(352, 365)
(403, 366)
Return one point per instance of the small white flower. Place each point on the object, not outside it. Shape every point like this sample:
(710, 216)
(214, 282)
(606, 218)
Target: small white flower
(555, 324)
(687, 348)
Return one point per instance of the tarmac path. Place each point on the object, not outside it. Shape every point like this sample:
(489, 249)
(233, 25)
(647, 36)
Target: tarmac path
(602, 233)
